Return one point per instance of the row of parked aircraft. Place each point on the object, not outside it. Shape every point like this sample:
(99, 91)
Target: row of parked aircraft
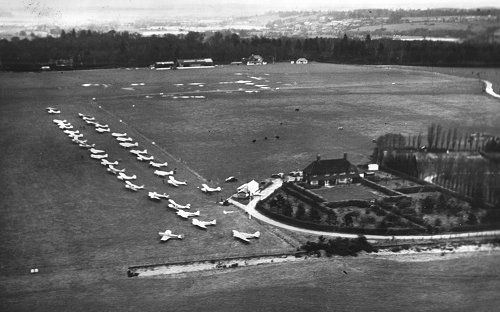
(141, 155)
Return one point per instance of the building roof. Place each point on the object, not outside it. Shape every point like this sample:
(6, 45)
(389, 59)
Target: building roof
(328, 166)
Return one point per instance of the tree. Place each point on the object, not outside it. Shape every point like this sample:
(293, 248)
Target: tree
(301, 210)
(314, 214)
(431, 135)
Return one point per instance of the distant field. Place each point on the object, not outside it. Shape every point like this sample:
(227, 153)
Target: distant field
(63, 213)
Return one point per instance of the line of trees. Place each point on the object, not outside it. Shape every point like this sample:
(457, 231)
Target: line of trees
(92, 49)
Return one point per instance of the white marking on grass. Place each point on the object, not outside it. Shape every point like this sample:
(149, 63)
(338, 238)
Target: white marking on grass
(178, 84)
(489, 89)
(128, 89)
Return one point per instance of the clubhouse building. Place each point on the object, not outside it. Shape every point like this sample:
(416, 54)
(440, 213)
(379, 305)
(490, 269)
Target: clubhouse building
(329, 172)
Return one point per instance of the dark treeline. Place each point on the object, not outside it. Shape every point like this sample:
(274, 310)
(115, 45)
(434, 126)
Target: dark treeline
(91, 49)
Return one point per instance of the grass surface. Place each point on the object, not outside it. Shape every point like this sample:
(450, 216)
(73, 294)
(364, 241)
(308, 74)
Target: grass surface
(63, 213)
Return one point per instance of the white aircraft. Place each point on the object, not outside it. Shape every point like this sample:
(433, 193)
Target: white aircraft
(133, 187)
(65, 126)
(141, 157)
(226, 212)
(124, 139)
(123, 176)
(231, 179)
(90, 122)
(49, 108)
(113, 170)
(85, 145)
(173, 181)
(77, 141)
(245, 236)
(59, 121)
(129, 145)
(165, 236)
(116, 134)
(105, 162)
(53, 111)
(158, 196)
(186, 214)
(158, 165)
(98, 156)
(75, 136)
(96, 151)
(207, 189)
(163, 173)
(101, 130)
(98, 125)
(88, 118)
(137, 152)
(175, 205)
(203, 224)
(71, 132)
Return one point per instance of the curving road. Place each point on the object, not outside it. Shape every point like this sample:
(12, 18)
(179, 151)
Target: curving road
(489, 89)
(250, 209)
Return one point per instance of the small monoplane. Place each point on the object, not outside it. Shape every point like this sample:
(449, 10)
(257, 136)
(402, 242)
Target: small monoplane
(231, 179)
(102, 130)
(158, 165)
(123, 176)
(245, 236)
(116, 134)
(161, 173)
(165, 236)
(71, 132)
(207, 189)
(173, 181)
(98, 125)
(129, 145)
(85, 145)
(138, 152)
(186, 214)
(203, 224)
(99, 156)
(105, 162)
(96, 151)
(157, 196)
(124, 139)
(133, 187)
(113, 170)
(53, 111)
(88, 118)
(141, 157)
(175, 205)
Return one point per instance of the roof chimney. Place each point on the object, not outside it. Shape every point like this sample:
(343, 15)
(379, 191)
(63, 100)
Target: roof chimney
(318, 157)
(345, 156)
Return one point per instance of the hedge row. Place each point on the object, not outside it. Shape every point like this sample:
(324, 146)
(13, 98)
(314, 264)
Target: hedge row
(380, 188)
(330, 228)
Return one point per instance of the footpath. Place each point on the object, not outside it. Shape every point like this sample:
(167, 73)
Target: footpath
(253, 213)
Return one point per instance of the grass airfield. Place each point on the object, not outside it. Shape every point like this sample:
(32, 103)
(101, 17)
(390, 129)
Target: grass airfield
(63, 213)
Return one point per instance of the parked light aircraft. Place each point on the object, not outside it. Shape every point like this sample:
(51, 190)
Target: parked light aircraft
(96, 151)
(129, 145)
(114, 170)
(133, 187)
(163, 173)
(59, 121)
(141, 157)
(186, 214)
(98, 156)
(226, 211)
(207, 189)
(78, 141)
(49, 108)
(203, 224)
(85, 145)
(53, 111)
(245, 236)
(65, 126)
(75, 136)
(158, 196)
(98, 125)
(71, 132)
(175, 205)
(105, 162)
(101, 130)
(88, 118)
(137, 152)
(165, 236)
(116, 134)
(124, 139)
(158, 165)
(175, 182)
(123, 176)
(231, 179)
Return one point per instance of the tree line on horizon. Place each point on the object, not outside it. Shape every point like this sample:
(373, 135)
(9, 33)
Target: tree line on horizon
(93, 49)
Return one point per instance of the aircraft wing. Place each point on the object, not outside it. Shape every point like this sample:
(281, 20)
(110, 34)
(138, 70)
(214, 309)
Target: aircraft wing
(165, 238)
(242, 237)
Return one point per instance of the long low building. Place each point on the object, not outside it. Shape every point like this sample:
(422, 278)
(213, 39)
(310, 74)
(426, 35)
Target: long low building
(195, 63)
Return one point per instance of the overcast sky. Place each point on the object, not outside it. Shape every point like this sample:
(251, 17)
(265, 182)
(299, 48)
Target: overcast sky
(115, 9)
